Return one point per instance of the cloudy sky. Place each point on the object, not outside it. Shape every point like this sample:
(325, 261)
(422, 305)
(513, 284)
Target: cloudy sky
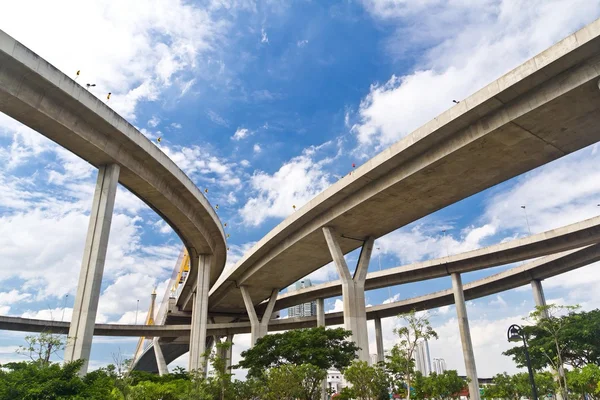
(266, 104)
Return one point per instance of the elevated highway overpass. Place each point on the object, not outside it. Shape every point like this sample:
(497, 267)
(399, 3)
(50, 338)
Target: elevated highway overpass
(540, 269)
(41, 97)
(175, 338)
(540, 111)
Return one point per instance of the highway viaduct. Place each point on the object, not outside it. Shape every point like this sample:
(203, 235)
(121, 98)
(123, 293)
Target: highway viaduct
(538, 112)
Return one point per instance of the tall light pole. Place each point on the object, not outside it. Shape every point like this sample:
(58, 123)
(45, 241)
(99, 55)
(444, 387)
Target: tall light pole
(515, 334)
(526, 219)
(137, 306)
(64, 305)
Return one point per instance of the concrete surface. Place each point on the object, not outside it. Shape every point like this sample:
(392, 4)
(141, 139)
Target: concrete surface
(465, 336)
(41, 97)
(568, 237)
(81, 332)
(353, 290)
(540, 269)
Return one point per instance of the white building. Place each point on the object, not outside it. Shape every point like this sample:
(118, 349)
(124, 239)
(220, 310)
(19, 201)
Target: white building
(306, 309)
(335, 380)
(421, 356)
(439, 365)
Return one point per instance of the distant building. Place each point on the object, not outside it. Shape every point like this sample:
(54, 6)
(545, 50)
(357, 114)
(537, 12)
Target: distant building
(439, 365)
(335, 380)
(422, 360)
(306, 309)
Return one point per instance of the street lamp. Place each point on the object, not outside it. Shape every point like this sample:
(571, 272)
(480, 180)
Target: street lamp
(526, 219)
(515, 334)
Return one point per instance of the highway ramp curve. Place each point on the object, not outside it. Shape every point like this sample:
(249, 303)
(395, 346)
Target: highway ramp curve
(41, 97)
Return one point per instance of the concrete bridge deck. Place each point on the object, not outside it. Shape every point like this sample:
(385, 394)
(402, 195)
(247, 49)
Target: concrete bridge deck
(41, 97)
(540, 111)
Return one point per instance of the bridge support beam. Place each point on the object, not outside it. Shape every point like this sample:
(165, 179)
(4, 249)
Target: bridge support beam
(81, 329)
(259, 328)
(160, 358)
(379, 339)
(320, 312)
(321, 322)
(538, 295)
(465, 336)
(353, 290)
(197, 360)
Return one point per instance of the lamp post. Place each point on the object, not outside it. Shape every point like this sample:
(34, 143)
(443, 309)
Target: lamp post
(515, 334)
(526, 219)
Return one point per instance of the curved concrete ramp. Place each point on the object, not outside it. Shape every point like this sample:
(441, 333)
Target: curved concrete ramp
(41, 97)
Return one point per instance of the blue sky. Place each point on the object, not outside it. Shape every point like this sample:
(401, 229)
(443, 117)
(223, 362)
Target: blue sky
(265, 104)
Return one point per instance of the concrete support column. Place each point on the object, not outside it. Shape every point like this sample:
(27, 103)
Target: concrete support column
(320, 312)
(538, 295)
(259, 327)
(321, 322)
(465, 336)
(353, 290)
(379, 339)
(81, 329)
(540, 301)
(229, 353)
(201, 263)
(160, 359)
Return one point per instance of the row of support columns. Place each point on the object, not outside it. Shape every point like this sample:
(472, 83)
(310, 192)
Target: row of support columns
(353, 294)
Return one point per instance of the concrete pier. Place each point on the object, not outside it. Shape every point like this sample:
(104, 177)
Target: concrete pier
(465, 336)
(538, 295)
(201, 264)
(160, 358)
(81, 330)
(353, 290)
(320, 312)
(379, 339)
(259, 327)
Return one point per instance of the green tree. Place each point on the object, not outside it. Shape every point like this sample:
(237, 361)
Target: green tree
(400, 363)
(37, 380)
(584, 381)
(580, 334)
(446, 385)
(323, 348)
(368, 382)
(40, 348)
(549, 341)
(290, 382)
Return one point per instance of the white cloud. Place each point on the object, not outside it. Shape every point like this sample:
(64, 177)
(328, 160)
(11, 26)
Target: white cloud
(428, 240)
(241, 133)
(164, 38)
(263, 36)
(302, 43)
(236, 252)
(176, 125)
(480, 41)
(154, 121)
(245, 163)
(295, 183)
(197, 162)
(217, 118)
